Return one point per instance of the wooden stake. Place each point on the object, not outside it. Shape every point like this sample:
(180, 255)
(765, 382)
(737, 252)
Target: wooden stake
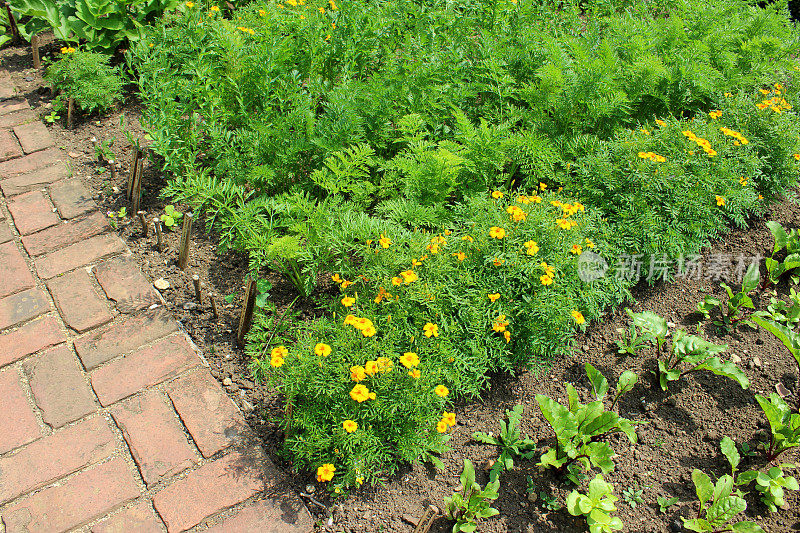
(12, 21)
(70, 112)
(132, 174)
(143, 221)
(186, 239)
(37, 61)
(427, 519)
(214, 310)
(246, 320)
(159, 234)
(112, 164)
(197, 294)
(137, 186)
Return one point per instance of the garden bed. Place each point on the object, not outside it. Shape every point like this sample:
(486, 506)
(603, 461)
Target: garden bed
(681, 429)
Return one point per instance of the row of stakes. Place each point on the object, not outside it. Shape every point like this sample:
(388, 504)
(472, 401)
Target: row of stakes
(134, 194)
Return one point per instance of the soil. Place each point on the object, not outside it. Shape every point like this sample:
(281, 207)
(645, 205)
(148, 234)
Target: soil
(680, 430)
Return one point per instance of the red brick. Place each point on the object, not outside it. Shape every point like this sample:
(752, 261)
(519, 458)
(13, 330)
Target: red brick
(124, 283)
(17, 117)
(5, 230)
(283, 514)
(71, 198)
(9, 147)
(208, 413)
(30, 181)
(33, 137)
(30, 338)
(138, 518)
(7, 89)
(155, 436)
(144, 367)
(79, 254)
(59, 388)
(13, 104)
(14, 270)
(211, 488)
(22, 306)
(32, 212)
(85, 496)
(18, 424)
(55, 456)
(80, 306)
(123, 336)
(34, 161)
(65, 234)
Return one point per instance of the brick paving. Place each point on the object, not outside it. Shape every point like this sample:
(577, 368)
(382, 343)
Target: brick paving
(110, 420)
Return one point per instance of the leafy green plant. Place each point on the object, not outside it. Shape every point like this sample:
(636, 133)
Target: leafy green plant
(784, 425)
(788, 336)
(633, 496)
(783, 241)
(787, 313)
(115, 215)
(473, 503)
(549, 501)
(719, 505)
(731, 315)
(86, 77)
(171, 216)
(773, 484)
(509, 441)
(99, 23)
(103, 151)
(665, 503)
(690, 353)
(635, 340)
(596, 505)
(579, 427)
(52, 117)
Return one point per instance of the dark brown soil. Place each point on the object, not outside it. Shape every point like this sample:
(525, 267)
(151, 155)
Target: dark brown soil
(680, 429)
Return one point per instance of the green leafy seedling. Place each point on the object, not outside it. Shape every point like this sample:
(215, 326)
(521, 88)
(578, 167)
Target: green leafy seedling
(633, 496)
(263, 286)
(773, 484)
(510, 442)
(171, 216)
(719, 505)
(783, 423)
(788, 336)
(691, 353)
(665, 503)
(596, 505)
(473, 504)
(783, 240)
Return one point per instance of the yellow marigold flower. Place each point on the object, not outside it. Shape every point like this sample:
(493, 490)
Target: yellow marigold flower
(542, 186)
(532, 247)
(500, 324)
(449, 418)
(360, 393)
(384, 364)
(460, 256)
(336, 278)
(715, 114)
(357, 373)
(645, 131)
(517, 214)
(384, 241)
(397, 281)
(764, 91)
(349, 426)
(190, 4)
(536, 199)
(728, 95)
(431, 330)
(414, 373)
(742, 181)
(276, 361)
(494, 297)
(589, 243)
(576, 249)
(497, 233)
(762, 105)
(720, 200)
(333, 5)
(507, 336)
(441, 391)
(409, 276)
(322, 10)
(346, 283)
(497, 195)
(347, 301)
(369, 331)
(325, 472)
(214, 8)
(409, 359)
(522, 199)
(546, 280)
(322, 349)
(660, 122)
(578, 316)
(279, 351)
(796, 157)
(371, 367)
(498, 262)
(261, 12)
(441, 426)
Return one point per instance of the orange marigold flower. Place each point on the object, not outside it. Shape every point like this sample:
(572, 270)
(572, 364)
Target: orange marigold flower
(441, 391)
(496, 232)
(347, 301)
(360, 393)
(494, 297)
(349, 426)
(325, 472)
(578, 316)
(431, 330)
(357, 373)
(322, 349)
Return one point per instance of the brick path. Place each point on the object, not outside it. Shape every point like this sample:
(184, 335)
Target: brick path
(109, 418)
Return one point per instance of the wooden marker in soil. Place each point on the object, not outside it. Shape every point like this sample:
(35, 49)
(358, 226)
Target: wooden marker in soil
(159, 234)
(13, 22)
(141, 215)
(186, 237)
(70, 112)
(134, 166)
(214, 310)
(425, 523)
(137, 186)
(112, 165)
(246, 320)
(37, 61)
(197, 294)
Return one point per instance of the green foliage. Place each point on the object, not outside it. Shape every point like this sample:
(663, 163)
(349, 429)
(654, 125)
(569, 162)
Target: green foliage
(783, 241)
(88, 78)
(596, 505)
(787, 335)
(103, 151)
(579, 427)
(633, 496)
(772, 485)
(171, 216)
(473, 503)
(730, 316)
(780, 311)
(665, 503)
(114, 215)
(510, 442)
(784, 425)
(98, 23)
(635, 340)
(719, 505)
